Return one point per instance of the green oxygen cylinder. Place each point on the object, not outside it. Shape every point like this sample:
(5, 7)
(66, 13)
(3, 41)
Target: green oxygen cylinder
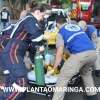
(47, 56)
(39, 68)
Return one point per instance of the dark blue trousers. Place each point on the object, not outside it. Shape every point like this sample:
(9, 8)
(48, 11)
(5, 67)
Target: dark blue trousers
(12, 60)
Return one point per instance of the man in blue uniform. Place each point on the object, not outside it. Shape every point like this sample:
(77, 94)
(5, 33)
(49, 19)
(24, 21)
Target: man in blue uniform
(91, 31)
(82, 57)
(26, 31)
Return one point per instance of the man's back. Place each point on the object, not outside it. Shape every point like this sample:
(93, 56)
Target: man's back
(75, 39)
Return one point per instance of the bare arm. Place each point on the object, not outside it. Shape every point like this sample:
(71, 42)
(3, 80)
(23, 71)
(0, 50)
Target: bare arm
(60, 48)
(59, 54)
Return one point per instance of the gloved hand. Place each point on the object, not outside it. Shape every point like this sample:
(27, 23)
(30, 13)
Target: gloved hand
(49, 73)
(41, 48)
(53, 71)
(5, 72)
(56, 70)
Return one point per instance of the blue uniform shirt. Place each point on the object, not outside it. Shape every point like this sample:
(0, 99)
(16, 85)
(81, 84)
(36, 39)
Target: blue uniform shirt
(90, 30)
(75, 40)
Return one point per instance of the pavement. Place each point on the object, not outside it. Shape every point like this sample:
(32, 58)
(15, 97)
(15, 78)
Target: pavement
(68, 96)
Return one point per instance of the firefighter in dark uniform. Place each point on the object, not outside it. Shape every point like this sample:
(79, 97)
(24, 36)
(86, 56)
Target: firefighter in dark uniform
(26, 31)
(5, 36)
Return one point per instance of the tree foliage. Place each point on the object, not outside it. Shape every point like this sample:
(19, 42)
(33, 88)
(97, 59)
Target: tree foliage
(16, 6)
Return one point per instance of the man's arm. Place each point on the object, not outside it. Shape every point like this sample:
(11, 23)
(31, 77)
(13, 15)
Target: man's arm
(59, 54)
(59, 51)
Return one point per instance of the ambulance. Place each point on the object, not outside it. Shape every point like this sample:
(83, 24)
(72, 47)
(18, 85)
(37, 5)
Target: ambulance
(82, 9)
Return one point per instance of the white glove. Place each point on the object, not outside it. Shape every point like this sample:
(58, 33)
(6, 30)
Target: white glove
(6, 72)
(49, 73)
(41, 48)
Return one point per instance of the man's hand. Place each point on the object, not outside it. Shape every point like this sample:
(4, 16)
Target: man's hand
(41, 48)
(49, 73)
(53, 71)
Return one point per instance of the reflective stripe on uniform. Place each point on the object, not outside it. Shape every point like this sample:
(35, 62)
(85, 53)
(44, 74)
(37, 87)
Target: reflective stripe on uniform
(17, 25)
(38, 39)
(14, 49)
(8, 27)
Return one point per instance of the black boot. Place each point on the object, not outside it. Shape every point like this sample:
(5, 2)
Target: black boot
(97, 73)
(92, 97)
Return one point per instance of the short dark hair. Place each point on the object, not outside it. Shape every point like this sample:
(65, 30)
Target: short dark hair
(60, 19)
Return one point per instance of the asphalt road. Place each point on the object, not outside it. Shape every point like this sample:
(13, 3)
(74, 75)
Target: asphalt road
(68, 96)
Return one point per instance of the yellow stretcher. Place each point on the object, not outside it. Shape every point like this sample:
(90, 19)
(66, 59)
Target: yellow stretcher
(51, 36)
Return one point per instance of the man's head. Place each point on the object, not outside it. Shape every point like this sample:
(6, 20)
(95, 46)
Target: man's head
(82, 24)
(60, 20)
(39, 11)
